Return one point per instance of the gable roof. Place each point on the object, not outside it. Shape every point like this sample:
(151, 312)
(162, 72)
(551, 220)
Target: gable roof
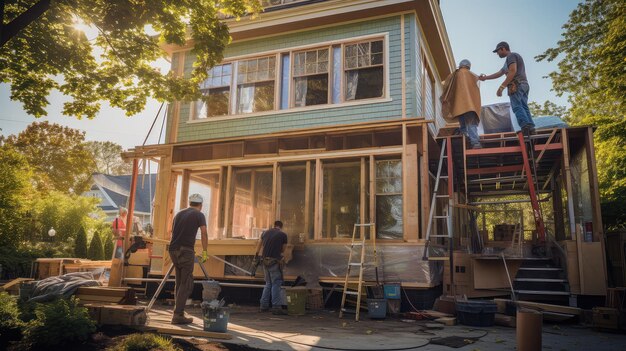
(117, 188)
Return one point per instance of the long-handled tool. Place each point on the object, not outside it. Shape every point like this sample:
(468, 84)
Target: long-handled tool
(167, 276)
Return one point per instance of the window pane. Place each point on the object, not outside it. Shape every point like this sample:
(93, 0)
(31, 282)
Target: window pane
(389, 217)
(311, 90)
(377, 46)
(255, 97)
(364, 83)
(340, 199)
(292, 201)
(217, 101)
(251, 211)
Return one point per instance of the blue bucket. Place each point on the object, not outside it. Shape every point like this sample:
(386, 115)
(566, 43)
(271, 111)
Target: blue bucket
(216, 319)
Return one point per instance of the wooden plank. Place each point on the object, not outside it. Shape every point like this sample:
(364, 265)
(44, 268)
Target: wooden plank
(102, 291)
(96, 298)
(14, 282)
(171, 330)
(372, 185)
(184, 189)
(307, 201)
(318, 199)
(545, 307)
(568, 183)
(229, 197)
(547, 143)
(593, 278)
(411, 193)
(425, 182)
(362, 196)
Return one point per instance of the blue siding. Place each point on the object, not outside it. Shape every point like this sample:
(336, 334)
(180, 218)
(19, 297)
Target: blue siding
(272, 123)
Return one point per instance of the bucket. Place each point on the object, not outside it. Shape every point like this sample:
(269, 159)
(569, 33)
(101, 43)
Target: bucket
(216, 319)
(529, 325)
(296, 301)
(210, 290)
(392, 291)
(377, 308)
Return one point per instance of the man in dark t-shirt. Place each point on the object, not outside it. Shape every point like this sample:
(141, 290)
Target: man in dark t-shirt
(517, 85)
(274, 242)
(181, 250)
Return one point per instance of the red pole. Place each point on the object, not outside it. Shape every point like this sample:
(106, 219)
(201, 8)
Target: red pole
(531, 189)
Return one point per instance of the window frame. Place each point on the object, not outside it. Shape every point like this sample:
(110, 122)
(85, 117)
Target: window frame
(276, 80)
(292, 76)
(195, 114)
(235, 61)
(384, 65)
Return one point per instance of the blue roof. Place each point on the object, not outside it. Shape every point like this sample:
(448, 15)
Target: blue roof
(118, 188)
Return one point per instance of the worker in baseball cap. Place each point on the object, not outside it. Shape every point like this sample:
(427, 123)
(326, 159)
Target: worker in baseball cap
(181, 250)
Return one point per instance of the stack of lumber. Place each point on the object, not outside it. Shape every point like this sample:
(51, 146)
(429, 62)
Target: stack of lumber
(86, 265)
(13, 286)
(106, 295)
(117, 314)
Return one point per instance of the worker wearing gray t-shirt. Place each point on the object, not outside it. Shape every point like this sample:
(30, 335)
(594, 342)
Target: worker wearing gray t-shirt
(516, 84)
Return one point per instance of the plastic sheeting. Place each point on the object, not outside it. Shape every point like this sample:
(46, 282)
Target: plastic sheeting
(499, 118)
(62, 286)
(396, 263)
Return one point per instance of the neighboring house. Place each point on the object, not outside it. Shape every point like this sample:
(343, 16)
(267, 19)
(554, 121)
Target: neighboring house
(325, 114)
(113, 193)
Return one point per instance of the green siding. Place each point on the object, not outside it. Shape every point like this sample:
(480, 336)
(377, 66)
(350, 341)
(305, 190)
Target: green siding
(255, 125)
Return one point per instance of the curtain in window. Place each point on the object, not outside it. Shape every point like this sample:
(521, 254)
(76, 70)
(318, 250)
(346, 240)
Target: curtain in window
(300, 91)
(352, 82)
(246, 99)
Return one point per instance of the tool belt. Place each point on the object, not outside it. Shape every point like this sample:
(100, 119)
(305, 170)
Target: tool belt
(512, 87)
(269, 261)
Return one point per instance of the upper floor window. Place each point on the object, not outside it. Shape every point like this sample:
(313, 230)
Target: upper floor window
(364, 74)
(270, 3)
(216, 92)
(256, 85)
(310, 77)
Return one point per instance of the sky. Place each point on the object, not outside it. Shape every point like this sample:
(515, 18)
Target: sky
(474, 28)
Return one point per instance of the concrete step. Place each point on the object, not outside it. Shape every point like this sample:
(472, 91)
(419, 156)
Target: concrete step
(542, 292)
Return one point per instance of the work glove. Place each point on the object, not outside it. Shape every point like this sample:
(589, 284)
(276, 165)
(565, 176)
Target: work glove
(205, 256)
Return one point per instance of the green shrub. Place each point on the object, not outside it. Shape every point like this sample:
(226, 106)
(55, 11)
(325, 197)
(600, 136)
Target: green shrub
(16, 262)
(80, 246)
(145, 342)
(59, 323)
(10, 323)
(96, 251)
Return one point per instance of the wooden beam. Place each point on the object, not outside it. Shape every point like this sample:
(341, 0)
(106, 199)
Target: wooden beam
(275, 195)
(230, 197)
(184, 189)
(510, 149)
(362, 195)
(547, 143)
(568, 183)
(425, 183)
(318, 200)
(307, 200)
(496, 169)
(372, 185)
(411, 194)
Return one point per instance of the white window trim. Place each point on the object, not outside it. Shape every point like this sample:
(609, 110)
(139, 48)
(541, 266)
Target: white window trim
(292, 77)
(235, 60)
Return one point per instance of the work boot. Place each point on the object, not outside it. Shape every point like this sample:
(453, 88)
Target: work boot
(181, 319)
(278, 311)
(264, 309)
(476, 146)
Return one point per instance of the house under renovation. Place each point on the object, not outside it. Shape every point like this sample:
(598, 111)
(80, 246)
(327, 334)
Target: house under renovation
(325, 114)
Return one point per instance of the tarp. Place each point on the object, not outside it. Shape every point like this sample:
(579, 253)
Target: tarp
(499, 118)
(62, 286)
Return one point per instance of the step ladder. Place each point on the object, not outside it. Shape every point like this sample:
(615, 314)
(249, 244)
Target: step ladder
(435, 218)
(349, 282)
(532, 186)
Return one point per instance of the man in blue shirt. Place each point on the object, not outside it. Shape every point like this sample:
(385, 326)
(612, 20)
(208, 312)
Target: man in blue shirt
(516, 84)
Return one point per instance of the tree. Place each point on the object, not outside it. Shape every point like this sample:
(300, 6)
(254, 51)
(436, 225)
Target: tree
(57, 155)
(50, 47)
(80, 245)
(592, 71)
(548, 108)
(107, 237)
(96, 251)
(15, 196)
(107, 157)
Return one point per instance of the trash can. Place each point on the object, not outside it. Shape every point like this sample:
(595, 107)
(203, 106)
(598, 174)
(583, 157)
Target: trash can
(476, 313)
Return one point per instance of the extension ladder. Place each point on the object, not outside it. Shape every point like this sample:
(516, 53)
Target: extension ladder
(532, 187)
(361, 264)
(433, 217)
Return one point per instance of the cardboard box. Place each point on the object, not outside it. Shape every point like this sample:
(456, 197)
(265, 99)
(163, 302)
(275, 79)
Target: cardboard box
(122, 315)
(605, 317)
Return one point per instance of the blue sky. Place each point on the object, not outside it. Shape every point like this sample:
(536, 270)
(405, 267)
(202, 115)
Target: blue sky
(474, 28)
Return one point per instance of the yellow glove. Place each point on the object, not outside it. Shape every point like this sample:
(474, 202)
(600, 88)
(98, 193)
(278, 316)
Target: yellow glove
(205, 256)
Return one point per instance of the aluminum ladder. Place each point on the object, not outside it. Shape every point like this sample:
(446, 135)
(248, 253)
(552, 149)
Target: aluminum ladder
(446, 154)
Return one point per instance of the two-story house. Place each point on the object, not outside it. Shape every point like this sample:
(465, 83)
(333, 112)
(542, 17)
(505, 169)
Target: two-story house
(323, 114)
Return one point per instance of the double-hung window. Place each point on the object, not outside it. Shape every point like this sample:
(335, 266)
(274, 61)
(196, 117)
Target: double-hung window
(363, 67)
(256, 83)
(216, 92)
(311, 77)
